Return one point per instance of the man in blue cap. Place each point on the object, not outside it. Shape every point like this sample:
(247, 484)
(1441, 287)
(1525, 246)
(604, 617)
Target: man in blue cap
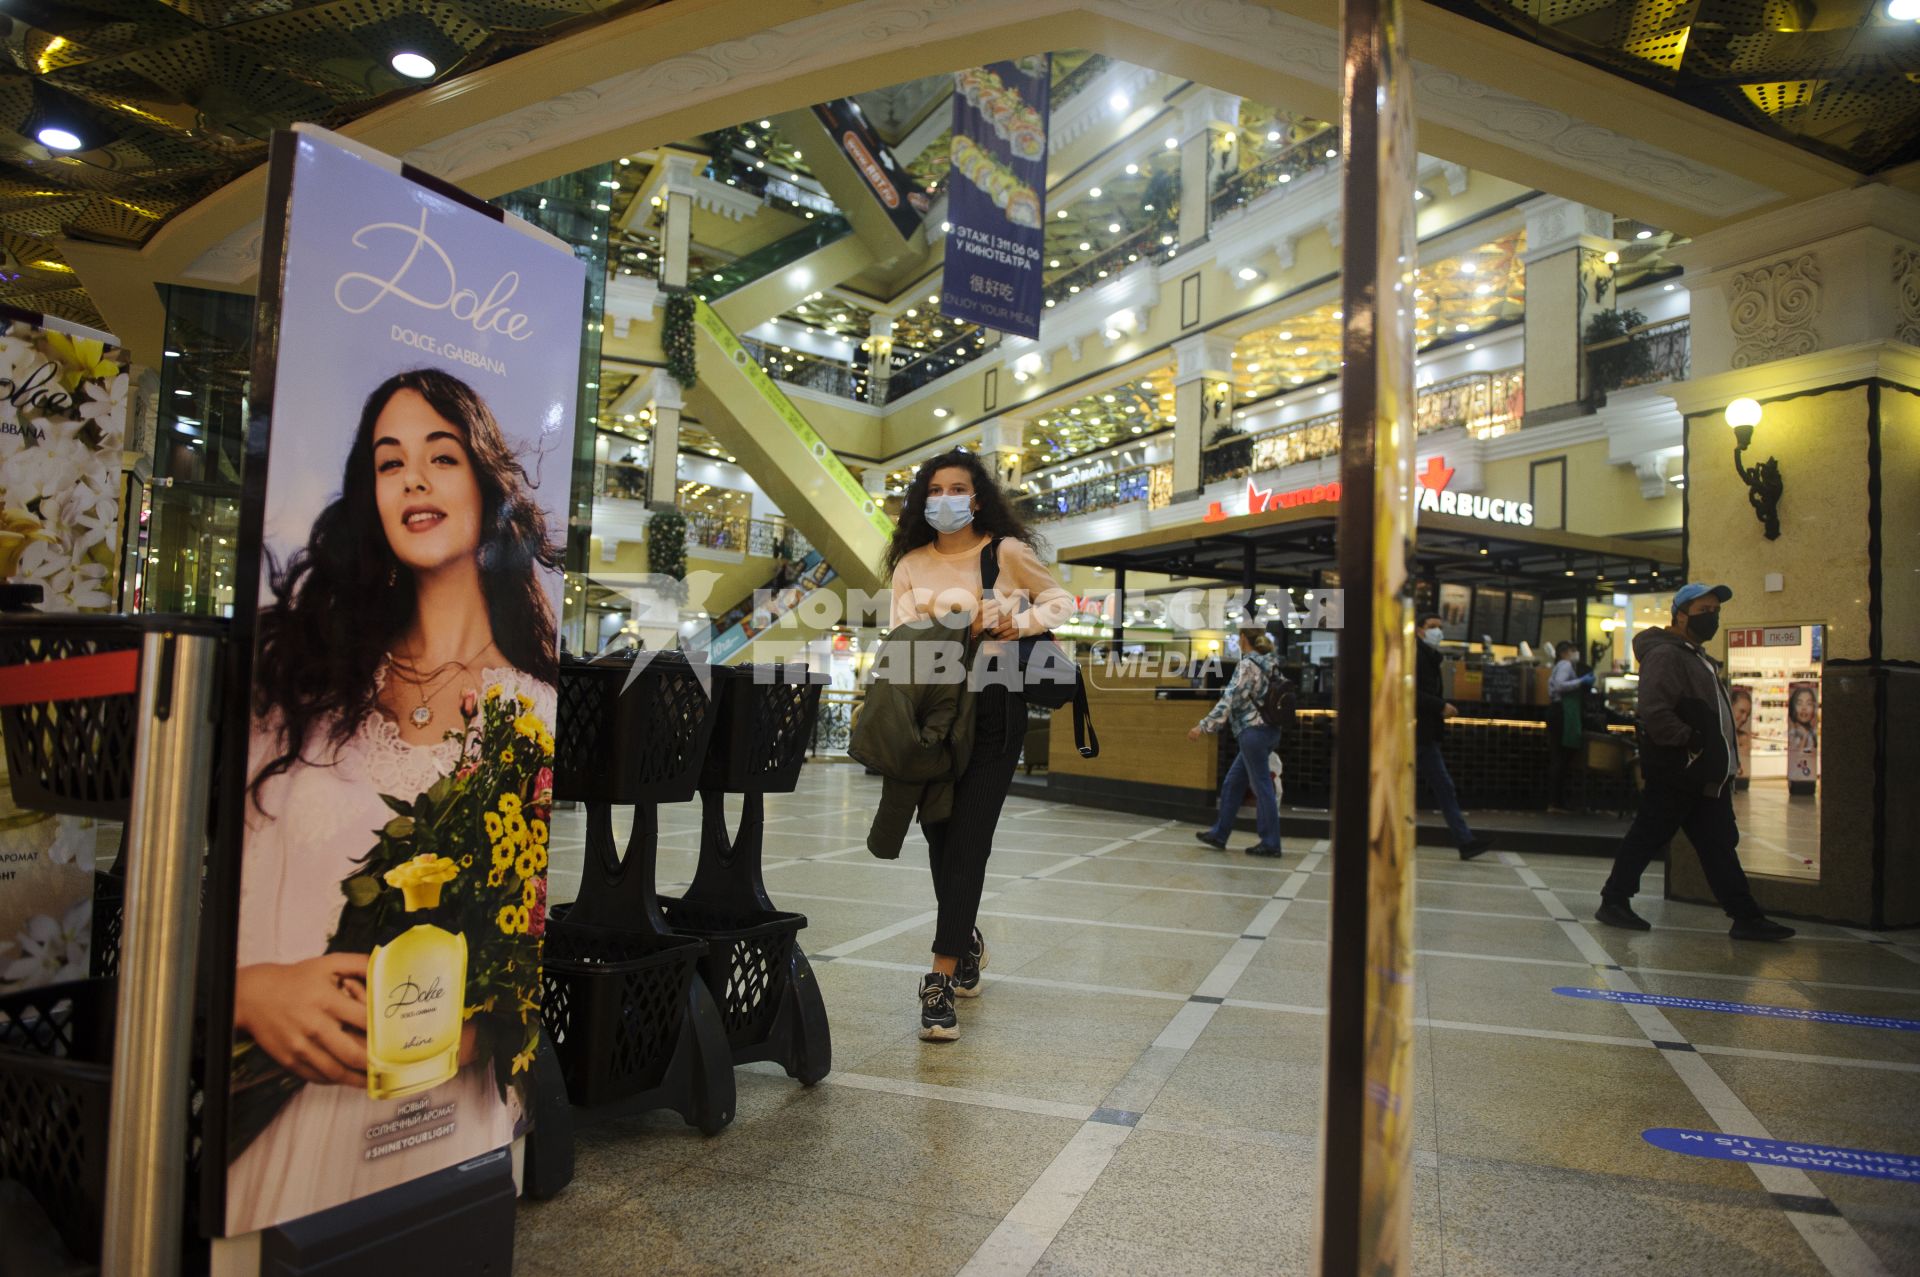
(1688, 760)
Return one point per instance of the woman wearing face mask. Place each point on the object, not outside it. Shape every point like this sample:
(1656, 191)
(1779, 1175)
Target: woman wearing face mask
(1254, 739)
(953, 511)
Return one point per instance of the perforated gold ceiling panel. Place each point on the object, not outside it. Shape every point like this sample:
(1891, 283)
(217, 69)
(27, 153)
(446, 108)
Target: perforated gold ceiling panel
(175, 98)
(1837, 77)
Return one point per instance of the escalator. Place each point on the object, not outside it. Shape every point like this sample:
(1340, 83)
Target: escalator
(786, 591)
(748, 413)
(776, 277)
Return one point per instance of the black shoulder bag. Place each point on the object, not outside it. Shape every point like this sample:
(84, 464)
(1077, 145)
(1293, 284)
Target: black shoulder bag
(1048, 676)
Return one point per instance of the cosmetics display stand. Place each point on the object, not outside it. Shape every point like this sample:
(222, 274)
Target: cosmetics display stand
(769, 998)
(628, 1019)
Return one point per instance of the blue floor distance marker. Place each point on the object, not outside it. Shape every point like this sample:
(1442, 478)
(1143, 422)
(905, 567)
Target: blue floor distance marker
(1806, 1157)
(1745, 1008)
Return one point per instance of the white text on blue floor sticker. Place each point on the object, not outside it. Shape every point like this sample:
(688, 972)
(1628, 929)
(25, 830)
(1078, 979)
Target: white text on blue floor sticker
(1745, 1008)
(1809, 1157)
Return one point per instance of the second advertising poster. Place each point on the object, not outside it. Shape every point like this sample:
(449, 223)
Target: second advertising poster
(997, 198)
(420, 366)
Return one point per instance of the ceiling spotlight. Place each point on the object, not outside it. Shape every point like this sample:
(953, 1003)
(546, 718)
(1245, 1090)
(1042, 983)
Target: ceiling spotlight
(940, 413)
(1132, 169)
(1248, 273)
(1173, 143)
(1119, 102)
(1644, 234)
(1094, 192)
(55, 138)
(1273, 135)
(415, 66)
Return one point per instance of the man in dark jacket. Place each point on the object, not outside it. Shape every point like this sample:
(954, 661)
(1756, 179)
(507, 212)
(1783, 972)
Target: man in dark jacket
(1688, 760)
(1430, 712)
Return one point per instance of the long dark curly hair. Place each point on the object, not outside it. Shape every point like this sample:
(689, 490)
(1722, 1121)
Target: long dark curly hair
(995, 517)
(342, 600)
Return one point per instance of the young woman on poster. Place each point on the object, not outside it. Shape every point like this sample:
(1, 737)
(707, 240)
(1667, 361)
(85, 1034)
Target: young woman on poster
(1803, 733)
(401, 732)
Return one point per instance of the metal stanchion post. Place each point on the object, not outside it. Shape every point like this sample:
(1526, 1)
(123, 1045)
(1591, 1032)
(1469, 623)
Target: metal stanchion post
(166, 832)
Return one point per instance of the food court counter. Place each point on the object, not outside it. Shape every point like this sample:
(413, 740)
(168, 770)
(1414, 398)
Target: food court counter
(1497, 755)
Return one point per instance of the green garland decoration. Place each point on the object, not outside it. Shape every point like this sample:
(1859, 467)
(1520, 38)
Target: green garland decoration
(1612, 367)
(667, 545)
(676, 340)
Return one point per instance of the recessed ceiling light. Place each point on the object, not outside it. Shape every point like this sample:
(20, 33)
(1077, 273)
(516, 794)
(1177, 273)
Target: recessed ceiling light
(55, 138)
(1094, 192)
(1644, 235)
(415, 66)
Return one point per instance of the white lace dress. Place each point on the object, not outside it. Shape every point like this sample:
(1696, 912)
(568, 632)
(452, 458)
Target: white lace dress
(317, 821)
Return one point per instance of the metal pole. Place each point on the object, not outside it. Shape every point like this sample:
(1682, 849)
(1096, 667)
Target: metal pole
(1366, 1218)
(166, 836)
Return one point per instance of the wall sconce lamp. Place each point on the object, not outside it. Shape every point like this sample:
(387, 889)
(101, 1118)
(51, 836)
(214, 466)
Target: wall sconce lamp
(1763, 481)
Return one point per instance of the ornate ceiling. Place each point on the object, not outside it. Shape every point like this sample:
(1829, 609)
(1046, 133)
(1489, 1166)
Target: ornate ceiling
(172, 99)
(1837, 77)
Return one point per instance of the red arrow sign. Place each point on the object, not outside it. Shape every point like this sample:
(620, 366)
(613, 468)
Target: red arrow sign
(1436, 476)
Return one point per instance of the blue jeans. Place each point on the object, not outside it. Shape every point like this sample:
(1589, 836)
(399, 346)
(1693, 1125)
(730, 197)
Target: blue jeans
(1250, 767)
(1433, 770)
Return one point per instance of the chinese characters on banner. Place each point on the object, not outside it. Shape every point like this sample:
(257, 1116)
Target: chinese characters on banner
(400, 569)
(997, 196)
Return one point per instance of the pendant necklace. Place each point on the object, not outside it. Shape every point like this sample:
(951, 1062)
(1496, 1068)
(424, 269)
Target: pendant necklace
(422, 715)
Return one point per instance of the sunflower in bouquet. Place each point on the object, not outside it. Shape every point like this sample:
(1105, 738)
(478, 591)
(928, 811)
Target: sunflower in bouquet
(481, 833)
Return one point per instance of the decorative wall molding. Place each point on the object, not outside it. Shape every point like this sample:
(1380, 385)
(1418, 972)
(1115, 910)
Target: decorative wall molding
(871, 31)
(1771, 310)
(1077, 116)
(631, 297)
(1906, 288)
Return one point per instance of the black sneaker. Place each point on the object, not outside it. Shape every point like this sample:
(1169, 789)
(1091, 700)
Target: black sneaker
(966, 977)
(1262, 849)
(1206, 836)
(1478, 847)
(938, 1023)
(1760, 928)
(1618, 913)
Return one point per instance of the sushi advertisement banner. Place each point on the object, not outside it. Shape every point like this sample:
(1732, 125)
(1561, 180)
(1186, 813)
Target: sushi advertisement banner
(906, 204)
(997, 196)
(63, 409)
(406, 498)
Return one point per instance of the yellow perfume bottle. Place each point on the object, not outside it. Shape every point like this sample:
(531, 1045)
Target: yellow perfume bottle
(416, 991)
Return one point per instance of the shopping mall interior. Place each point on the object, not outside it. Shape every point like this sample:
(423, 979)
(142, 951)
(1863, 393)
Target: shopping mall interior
(1652, 240)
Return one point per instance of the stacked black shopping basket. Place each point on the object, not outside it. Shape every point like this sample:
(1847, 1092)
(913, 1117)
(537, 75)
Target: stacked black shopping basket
(652, 1000)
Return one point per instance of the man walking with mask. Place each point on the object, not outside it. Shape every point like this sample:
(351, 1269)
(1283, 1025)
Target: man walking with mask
(1430, 712)
(1688, 757)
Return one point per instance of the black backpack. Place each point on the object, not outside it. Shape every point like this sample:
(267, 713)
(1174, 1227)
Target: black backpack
(1279, 702)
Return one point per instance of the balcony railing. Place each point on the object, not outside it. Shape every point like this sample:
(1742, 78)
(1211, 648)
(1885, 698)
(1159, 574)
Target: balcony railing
(930, 365)
(759, 538)
(1483, 403)
(1643, 356)
(1152, 484)
(1139, 245)
(814, 372)
(1278, 169)
(1079, 78)
(621, 480)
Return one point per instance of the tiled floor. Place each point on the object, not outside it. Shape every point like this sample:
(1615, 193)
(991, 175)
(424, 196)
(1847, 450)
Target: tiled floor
(1094, 1119)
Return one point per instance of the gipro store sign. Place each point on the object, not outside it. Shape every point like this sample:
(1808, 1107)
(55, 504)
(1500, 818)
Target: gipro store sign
(1435, 497)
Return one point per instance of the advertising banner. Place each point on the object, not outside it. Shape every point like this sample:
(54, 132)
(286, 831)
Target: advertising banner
(406, 492)
(63, 409)
(906, 204)
(997, 198)
(1803, 736)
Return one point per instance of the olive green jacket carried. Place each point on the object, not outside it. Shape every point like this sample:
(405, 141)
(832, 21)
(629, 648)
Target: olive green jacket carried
(915, 728)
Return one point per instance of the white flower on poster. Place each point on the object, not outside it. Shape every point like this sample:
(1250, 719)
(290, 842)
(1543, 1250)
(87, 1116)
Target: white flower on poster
(63, 411)
(52, 950)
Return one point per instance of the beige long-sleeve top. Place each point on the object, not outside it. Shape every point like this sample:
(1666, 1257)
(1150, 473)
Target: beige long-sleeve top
(928, 584)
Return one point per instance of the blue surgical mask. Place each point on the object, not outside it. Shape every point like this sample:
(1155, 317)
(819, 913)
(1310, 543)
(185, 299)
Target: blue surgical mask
(950, 513)
(1431, 635)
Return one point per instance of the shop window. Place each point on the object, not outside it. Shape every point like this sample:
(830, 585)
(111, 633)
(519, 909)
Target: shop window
(1547, 488)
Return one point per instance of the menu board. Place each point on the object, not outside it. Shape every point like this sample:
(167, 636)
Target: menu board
(1523, 618)
(1489, 614)
(1455, 602)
